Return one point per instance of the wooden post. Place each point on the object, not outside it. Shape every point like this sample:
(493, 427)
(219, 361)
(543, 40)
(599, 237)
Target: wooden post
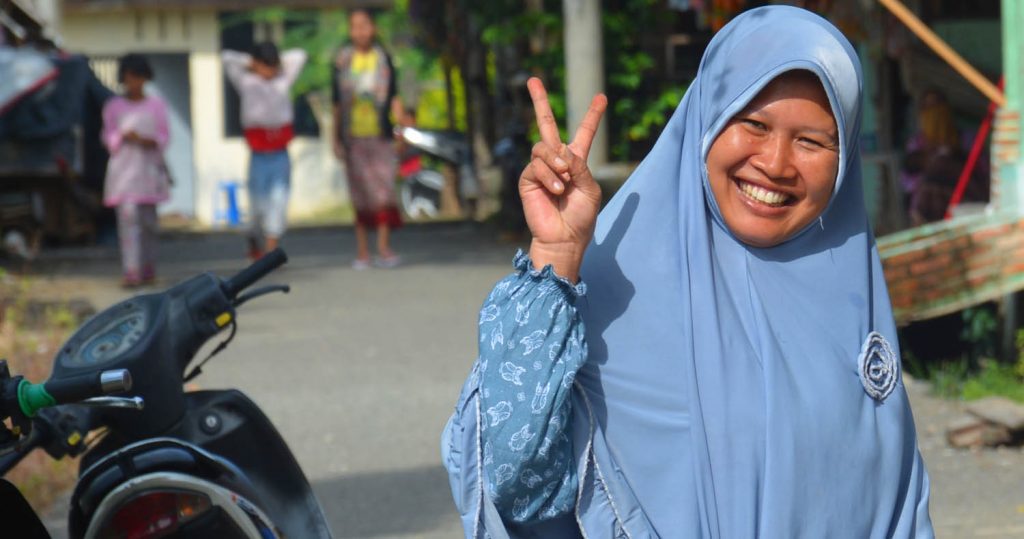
(940, 47)
(1006, 172)
(1007, 144)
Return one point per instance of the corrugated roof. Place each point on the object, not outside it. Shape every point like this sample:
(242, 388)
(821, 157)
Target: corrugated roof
(120, 5)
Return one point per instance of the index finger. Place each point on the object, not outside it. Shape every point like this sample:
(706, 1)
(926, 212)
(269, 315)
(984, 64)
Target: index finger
(542, 109)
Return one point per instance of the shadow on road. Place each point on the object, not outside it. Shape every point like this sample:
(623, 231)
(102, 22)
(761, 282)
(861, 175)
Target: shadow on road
(387, 503)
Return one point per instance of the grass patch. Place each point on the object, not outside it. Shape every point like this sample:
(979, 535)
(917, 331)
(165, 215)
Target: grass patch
(994, 379)
(29, 340)
(955, 380)
(957, 356)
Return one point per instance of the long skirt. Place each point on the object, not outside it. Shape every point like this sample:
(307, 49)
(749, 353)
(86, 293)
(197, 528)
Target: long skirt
(372, 165)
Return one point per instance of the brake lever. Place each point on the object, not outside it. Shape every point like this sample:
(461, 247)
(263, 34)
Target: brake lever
(262, 292)
(132, 403)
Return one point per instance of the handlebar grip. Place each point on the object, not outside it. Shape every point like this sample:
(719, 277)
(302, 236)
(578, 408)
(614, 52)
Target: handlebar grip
(34, 397)
(259, 269)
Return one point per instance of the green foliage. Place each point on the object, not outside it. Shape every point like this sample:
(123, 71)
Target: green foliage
(973, 374)
(61, 317)
(648, 118)
(981, 329)
(505, 27)
(956, 379)
(1019, 341)
(320, 38)
(432, 103)
(948, 379)
(994, 379)
(641, 100)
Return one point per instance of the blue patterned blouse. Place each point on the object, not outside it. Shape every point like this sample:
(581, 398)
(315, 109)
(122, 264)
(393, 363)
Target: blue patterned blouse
(531, 346)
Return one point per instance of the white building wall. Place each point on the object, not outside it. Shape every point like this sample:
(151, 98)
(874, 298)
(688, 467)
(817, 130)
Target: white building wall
(318, 182)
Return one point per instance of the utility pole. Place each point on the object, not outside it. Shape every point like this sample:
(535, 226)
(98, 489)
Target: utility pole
(584, 68)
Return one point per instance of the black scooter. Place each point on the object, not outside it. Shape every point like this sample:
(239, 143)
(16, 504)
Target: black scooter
(190, 464)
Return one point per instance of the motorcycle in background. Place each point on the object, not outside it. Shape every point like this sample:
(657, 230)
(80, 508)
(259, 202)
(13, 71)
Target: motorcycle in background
(427, 193)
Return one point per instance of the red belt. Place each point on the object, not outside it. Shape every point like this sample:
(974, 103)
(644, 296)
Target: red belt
(263, 139)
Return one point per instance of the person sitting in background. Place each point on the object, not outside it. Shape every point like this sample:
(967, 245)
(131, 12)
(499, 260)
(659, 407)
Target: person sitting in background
(935, 158)
(135, 132)
(263, 80)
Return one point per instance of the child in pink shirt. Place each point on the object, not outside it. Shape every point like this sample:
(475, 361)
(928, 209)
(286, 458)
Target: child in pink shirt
(135, 132)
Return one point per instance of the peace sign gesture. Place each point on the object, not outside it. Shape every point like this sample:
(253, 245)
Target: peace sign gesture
(560, 197)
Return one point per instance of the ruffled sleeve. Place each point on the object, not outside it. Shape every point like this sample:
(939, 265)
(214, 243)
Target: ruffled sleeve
(531, 347)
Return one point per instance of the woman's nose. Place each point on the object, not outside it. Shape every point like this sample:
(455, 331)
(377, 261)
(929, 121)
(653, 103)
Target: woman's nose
(774, 158)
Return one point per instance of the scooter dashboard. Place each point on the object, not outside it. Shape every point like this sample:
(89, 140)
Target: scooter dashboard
(107, 338)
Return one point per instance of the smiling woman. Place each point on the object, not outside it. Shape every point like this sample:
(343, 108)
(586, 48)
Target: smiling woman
(773, 168)
(733, 369)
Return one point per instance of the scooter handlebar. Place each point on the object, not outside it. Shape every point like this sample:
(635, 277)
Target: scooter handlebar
(259, 269)
(34, 397)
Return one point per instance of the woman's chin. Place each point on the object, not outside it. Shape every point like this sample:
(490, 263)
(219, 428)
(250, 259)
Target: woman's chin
(760, 233)
(768, 227)
(759, 240)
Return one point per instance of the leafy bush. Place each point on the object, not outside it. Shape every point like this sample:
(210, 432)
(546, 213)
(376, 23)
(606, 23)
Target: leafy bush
(994, 379)
(971, 372)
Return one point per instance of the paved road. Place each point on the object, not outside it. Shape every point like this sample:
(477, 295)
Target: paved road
(359, 370)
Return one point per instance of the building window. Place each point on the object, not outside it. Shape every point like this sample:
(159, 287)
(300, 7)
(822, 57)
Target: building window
(240, 34)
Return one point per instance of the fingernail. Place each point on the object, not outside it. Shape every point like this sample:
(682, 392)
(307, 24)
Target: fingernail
(560, 163)
(558, 185)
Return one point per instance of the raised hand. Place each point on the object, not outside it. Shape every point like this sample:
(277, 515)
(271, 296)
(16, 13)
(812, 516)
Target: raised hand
(560, 197)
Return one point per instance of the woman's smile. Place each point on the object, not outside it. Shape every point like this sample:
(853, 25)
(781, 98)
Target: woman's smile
(760, 197)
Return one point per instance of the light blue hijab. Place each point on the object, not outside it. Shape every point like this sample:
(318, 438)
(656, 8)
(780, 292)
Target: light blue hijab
(746, 392)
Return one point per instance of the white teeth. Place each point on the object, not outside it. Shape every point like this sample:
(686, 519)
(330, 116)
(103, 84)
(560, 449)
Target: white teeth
(760, 194)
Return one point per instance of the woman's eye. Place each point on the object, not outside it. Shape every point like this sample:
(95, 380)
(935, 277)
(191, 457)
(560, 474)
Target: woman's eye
(812, 142)
(754, 124)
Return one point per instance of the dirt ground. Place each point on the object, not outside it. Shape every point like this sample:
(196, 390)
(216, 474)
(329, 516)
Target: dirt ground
(975, 493)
